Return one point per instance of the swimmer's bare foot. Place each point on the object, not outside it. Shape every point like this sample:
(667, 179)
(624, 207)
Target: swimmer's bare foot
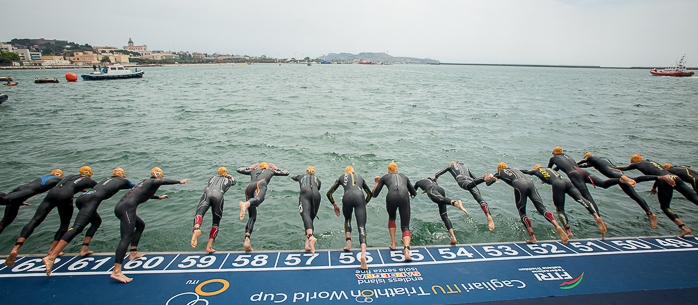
(195, 237)
(531, 240)
(347, 248)
(453, 241)
(84, 251)
(243, 209)
(247, 244)
(312, 241)
(135, 255)
(562, 234)
(684, 231)
(459, 205)
(120, 277)
(210, 250)
(48, 261)
(668, 179)
(364, 266)
(406, 251)
(490, 222)
(653, 220)
(602, 226)
(627, 180)
(10, 260)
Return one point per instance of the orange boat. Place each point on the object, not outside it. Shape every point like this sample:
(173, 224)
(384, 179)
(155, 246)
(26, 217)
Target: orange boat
(677, 70)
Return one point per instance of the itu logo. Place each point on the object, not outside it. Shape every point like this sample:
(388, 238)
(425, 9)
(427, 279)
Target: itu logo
(194, 298)
(573, 283)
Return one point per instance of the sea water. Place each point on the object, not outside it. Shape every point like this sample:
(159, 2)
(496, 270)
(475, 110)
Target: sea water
(189, 120)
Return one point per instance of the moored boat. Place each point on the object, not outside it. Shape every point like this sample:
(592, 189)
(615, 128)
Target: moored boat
(3, 98)
(45, 80)
(679, 69)
(5, 78)
(113, 72)
(11, 83)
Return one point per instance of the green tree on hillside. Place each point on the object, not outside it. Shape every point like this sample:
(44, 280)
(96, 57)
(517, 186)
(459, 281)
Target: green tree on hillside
(8, 57)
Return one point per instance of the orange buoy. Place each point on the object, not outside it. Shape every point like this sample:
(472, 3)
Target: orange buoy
(71, 77)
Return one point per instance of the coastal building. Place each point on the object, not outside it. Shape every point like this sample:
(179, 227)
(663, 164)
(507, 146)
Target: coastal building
(198, 55)
(118, 58)
(159, 55)
(84, 58)
(51, 60)
(6, 47)
(103, 50)
(134, 48)
(28, 56)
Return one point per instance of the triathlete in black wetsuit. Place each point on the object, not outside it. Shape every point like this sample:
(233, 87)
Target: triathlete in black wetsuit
(437, 194)
(523, 187)
(399, 192)
(61, 197)
(88, 203)
(255, 192)
(212, 198)
(352, 201)
(580, 177)
(17, 196)
(608, 169)
(665, 191)
(686, 173)
(132, 226)
(562, 186)
(467, 181)
(308, 204)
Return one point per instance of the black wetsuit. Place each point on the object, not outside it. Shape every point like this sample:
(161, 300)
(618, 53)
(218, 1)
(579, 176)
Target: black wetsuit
(213, 197)
(256, 190)
(437, 194)
(61, 197)
(309, 198)
(579, 177)
(466, 181)
(353, 201)
(14, 199)
(523, 188)
(88, 203)
(664, 190)
(561, 186)
(686, 174)
(608, 169)
(132, 226)
(399, 192)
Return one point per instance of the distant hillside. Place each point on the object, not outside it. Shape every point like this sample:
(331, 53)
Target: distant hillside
(376, 58)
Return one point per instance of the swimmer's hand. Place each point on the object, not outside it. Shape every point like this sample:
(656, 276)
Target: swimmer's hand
(376, 179)
(336, 209)
(489, 178)
(161, 197)
(653, 191)
(26, 204)
(183, 181)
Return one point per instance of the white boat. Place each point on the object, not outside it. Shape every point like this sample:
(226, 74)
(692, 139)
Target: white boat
(679, 69)
(113, 72)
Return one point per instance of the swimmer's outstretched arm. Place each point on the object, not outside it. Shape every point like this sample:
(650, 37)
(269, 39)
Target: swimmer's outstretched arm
(629, 167)
(441, 172)
(367, 191)
(244, 170)
(331, 191)
(411, 188)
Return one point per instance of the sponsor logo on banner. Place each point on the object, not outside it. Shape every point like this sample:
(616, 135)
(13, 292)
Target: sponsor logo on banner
(573, 283)
(555, 273)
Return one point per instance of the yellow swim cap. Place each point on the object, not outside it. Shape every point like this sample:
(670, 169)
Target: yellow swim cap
(310, 170)
(557, 150)
(668, 166)
(118, 172)
(635, 158)
(86, 171)
(588, 154)
(453, 162)
(501, 166)
(536, 167)
(263, 165)
(156, 172)
(222, 171)
(57, 172)
(392, 168)
(348, 170)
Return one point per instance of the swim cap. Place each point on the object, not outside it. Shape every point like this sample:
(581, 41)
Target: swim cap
(453, 162)
(501, 166)
(392, 168)
(668, 166)
(263, 165)
(310, 170)
(156, 172)
(222, 171)
(635, 158)
(588, 154)
(536, 167)
(348, 170)
(86, 171)
(557, 150)
(118, 172)
(57, 172)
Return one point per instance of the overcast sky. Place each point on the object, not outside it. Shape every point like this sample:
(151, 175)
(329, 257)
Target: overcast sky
(621, 33)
